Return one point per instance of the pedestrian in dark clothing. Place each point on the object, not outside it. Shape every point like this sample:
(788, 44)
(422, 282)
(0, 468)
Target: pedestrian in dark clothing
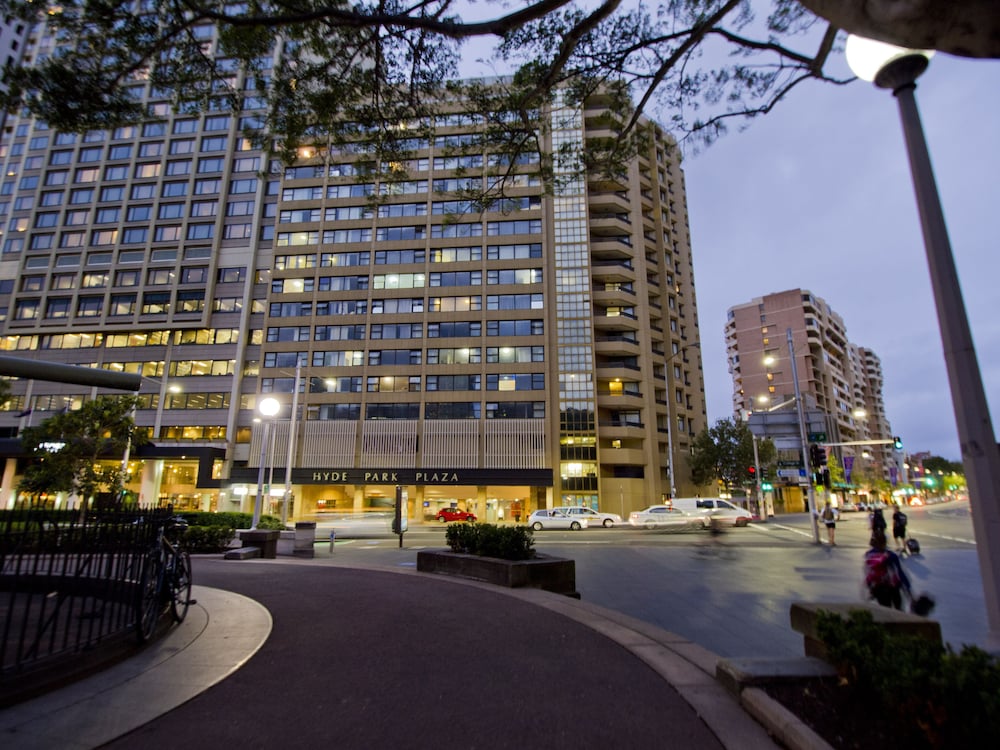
(899, 530)
(877, 521)
(884, 575)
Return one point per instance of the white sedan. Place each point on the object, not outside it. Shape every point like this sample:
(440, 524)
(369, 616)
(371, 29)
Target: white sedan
(664, 516)
(555, 518)
(595, 517)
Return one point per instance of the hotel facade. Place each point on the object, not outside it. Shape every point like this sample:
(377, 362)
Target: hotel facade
(537, 356)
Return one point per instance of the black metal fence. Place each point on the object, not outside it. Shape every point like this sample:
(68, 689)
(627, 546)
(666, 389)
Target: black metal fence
(68, 586)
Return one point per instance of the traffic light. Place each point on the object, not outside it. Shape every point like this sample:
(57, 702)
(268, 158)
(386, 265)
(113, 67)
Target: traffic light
(752, 471)
(817, 456)
(897, 443)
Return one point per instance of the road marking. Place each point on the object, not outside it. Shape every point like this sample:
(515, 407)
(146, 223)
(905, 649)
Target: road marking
(772, 525)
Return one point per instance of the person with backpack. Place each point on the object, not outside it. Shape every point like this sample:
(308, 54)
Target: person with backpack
(829, 516)
(899, 530)
(885, 578)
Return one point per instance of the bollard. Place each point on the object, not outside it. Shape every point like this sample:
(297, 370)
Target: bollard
(333, 536)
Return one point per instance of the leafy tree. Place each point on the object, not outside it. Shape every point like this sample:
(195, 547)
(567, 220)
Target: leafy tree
(936, 464)
(724, 451)
(380, 71)
(69, 446)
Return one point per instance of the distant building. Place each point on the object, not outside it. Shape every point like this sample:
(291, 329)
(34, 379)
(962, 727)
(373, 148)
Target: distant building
(841, 379)
(511, 359)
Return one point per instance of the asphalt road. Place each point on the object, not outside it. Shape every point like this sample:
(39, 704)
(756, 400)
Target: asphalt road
(731, 592)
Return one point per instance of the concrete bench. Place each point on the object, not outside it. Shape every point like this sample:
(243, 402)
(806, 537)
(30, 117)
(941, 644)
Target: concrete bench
(805, 615)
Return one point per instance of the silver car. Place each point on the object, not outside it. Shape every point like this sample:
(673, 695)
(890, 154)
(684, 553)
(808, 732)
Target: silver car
(664, 516)
(555, 518)
(595, 517)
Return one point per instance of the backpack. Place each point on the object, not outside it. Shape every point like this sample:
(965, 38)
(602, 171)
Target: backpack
(828, 514)
(879, 571)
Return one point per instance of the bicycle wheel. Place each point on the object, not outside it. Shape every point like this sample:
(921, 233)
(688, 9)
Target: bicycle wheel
(149, 604)
(180, 585)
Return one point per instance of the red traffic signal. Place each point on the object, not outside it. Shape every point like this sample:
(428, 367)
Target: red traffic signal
(753, 471)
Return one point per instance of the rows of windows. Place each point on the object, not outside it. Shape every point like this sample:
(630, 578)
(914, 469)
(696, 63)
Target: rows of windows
(407, 233)
(521, 251)
(435, 356)
(185, 400)
(397, 281)
(91, 306)
(443, 410)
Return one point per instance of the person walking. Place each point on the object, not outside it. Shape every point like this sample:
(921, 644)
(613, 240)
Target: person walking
(899, 530)
(885, 578)
(829, 516)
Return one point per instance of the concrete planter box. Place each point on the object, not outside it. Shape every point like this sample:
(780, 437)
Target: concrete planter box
(554, 574)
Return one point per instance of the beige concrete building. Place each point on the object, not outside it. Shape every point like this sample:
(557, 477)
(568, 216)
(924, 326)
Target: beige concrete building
(540, 355)
(842, 379)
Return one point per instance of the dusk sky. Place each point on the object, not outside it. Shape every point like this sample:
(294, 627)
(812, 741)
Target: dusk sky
(818, 195)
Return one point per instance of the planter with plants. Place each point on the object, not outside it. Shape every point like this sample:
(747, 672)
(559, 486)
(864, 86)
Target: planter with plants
(502, 555)
(896, 690)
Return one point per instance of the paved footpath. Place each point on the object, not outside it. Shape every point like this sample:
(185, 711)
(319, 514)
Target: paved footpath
(373, 658)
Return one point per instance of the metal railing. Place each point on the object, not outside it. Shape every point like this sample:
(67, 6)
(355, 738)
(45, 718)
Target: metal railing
(68, 584)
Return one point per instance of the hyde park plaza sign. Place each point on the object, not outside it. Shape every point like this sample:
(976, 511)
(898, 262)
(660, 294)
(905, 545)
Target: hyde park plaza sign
(423, 476)
(409, 476)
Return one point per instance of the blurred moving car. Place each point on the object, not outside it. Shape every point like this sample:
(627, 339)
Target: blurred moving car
(848, 506)
(665, 516)
(722, 512)
(595, 517)
(555, 518)
(454, 514)
(354, 525)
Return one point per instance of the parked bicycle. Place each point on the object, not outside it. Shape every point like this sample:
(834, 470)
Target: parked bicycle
(165, 580)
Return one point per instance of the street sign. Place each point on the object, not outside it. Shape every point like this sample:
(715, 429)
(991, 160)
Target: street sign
(791, 473)
(817, 437)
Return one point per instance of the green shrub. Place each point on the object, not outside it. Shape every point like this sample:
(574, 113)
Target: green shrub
(933, 696)
(230, 520)
(207, 538)
(488, 540)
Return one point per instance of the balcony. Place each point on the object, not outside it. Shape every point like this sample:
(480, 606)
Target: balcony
(611, 248)
(616, 345)
(613, 297)
(608, 224)
(612, 271)
(608, 201)
(620, 322)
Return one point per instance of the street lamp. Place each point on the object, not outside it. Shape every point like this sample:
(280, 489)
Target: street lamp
(670, 431)
(898, 69)
(267, 408)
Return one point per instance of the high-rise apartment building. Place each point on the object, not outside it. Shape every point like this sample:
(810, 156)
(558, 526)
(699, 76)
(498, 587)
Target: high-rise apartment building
(841, 379)
(518, 358)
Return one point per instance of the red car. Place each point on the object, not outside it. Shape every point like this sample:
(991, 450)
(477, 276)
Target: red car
(454, 514)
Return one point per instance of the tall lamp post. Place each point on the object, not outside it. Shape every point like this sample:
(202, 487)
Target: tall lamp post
(267, 408)
(292, 434)
(670, 431)
(898, 69)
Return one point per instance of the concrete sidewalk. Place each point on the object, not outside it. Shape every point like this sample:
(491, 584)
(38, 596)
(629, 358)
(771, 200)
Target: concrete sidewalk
(378, 658)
